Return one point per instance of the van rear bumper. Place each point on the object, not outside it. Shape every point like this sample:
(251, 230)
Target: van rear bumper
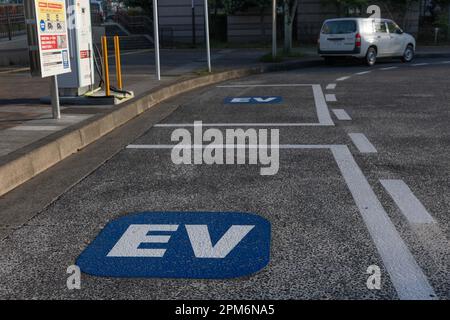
(355, 51)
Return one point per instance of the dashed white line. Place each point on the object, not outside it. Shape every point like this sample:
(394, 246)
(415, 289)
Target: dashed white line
(388, 68)
(362, 143)
(331, 86)
(420, 64)
(363, 73)
(343, 78)
(409, 205)
(330, 97)
(341, 114)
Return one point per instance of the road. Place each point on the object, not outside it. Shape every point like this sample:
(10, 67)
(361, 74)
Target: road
(363, 182)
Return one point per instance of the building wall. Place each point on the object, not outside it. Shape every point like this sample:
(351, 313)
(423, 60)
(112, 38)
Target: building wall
(175, 17)
(248, 27)
(310, 16)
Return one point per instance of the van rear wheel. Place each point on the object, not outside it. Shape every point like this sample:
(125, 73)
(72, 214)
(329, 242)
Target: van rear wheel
(371, 57)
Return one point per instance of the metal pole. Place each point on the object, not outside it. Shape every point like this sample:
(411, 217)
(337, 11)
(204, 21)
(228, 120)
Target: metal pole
(118, 64)
(156, 39)
(274, 28)
(105, 66)
(55, 97)
(194, 40)
(208, 49)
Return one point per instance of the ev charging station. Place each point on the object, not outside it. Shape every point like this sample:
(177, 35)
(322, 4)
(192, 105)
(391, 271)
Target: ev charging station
(81, 79)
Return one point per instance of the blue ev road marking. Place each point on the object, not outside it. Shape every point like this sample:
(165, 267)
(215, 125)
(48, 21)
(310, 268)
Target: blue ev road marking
(199, 245)
(253, 100)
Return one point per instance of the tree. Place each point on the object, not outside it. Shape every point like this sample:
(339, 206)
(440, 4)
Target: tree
(145, 5)
(389, 8)
(343, 6)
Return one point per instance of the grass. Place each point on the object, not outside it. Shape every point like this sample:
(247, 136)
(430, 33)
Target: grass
(202, 72)
(281, 56)
(268, 58)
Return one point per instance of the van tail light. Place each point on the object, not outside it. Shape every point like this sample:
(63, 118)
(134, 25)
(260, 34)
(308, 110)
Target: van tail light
(358, 40)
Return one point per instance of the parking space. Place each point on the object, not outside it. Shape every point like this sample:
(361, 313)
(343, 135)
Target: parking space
(361, 183)
(250, 104)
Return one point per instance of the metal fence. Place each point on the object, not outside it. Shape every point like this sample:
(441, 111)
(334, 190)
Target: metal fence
(12, 21)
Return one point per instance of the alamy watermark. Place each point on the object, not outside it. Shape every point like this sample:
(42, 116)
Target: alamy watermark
(237, 146)
(374, 280)
(74, 280)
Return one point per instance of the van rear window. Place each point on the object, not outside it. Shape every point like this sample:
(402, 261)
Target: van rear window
(339, 27)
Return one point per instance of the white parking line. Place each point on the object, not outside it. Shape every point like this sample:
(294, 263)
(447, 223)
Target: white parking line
(330, 97)
(406, 275)
(343, 78)
(362, 143)
(341, 114)
(419, 64)
(230, 146)
(409, 205)
(363, 73)
(388, 68)
(237, 124)
(321, 106)
(331, 86)
(265, 85)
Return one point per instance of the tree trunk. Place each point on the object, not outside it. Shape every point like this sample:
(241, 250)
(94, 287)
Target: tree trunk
(287, 38)
(289, 16)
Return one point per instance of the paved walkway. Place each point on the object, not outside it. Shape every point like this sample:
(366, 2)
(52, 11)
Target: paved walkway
(24, 119)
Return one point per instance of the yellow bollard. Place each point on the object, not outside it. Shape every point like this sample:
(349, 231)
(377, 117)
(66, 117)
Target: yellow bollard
(105, 66)
(118, 65)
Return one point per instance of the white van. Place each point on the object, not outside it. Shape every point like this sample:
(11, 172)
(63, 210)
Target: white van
(365, 38)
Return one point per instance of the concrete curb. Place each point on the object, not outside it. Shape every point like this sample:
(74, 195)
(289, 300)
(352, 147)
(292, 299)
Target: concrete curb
(27, 162)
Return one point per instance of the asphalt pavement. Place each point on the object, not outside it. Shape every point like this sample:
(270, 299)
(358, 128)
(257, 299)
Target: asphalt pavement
(363, 181)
